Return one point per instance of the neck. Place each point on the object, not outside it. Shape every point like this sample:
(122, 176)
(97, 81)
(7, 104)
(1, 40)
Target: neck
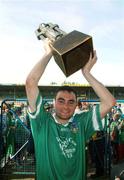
(61, 121)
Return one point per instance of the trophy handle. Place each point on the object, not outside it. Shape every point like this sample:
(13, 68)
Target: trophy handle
(50, 31)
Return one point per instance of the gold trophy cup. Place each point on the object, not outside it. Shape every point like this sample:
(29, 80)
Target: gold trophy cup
(71, 51)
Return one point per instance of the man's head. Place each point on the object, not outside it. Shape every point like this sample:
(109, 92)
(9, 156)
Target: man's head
(65, 103)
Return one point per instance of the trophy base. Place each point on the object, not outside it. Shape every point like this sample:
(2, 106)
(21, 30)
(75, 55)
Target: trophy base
(72, 51)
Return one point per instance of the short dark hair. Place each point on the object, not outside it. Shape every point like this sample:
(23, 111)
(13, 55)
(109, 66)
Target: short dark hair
(66, 88)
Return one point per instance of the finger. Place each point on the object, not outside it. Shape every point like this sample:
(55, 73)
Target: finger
(90, 57)
(95, 54)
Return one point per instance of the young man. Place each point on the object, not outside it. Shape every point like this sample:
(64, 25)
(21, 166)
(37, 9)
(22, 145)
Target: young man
(60, 138)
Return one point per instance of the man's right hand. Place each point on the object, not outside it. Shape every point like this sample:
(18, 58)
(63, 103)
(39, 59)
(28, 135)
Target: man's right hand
(47, 46)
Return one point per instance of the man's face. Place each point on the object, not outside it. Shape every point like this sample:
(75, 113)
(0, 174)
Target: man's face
(65, 104)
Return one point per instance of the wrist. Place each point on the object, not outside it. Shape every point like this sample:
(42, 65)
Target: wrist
(85, 72)
(48, 54)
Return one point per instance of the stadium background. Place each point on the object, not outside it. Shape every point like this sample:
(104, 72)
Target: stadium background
(83, 91)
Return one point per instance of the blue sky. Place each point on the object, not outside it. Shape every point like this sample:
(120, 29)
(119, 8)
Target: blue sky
(20, 49)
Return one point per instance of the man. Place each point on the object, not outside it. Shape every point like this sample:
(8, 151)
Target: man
(60, 138)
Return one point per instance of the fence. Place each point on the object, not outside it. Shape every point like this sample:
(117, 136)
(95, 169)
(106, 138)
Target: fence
(16, 142)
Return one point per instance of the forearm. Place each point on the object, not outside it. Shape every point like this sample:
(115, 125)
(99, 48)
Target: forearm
(37, 71)
(101, 91)
(106, 98)
(33, 79)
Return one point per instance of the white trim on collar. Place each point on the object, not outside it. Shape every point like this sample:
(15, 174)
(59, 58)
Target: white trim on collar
(70, 120)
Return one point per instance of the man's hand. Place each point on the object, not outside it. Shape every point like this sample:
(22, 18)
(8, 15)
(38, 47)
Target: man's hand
(47, 46)
(90, 63)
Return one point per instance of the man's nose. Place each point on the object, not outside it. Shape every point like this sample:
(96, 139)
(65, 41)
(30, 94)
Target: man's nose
(66, 105)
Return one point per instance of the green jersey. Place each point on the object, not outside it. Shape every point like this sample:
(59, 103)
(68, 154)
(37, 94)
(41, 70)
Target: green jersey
(60, 149)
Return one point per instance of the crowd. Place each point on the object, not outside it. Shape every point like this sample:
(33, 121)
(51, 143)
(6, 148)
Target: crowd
(16, 130)
(108, 143)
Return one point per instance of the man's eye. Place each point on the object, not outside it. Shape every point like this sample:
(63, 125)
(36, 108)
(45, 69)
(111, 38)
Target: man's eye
(61, 101)
(71, 102)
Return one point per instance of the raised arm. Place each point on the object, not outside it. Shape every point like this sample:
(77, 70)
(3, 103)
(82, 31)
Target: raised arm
(35, 75)
(106, 98)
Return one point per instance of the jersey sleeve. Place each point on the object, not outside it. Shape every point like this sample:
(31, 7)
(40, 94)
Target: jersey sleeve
(38, 117)
(91, 122)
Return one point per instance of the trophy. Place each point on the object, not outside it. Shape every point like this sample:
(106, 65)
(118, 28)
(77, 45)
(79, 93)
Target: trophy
(71, 51)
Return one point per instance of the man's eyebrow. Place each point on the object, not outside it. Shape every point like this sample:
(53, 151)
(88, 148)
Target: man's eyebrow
(60, 98)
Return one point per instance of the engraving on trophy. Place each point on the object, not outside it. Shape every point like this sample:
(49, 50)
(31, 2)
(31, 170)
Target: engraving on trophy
(71, 51)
